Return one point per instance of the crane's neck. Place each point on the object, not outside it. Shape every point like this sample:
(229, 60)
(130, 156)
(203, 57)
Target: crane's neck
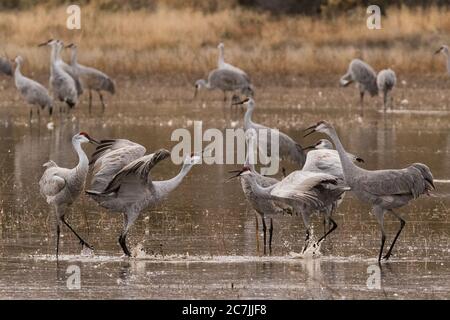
(448, 62)
(73, 57)
(83, 161)
(17, 73)
(248, 118)
(256, 188)
(221, 59)
(347, 165)
(167, 186)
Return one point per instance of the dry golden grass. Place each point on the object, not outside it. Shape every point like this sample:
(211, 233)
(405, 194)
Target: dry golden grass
(181, 43)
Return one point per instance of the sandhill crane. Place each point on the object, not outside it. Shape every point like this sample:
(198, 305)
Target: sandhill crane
(221, 64)
(306, 192)
(445, 51)
(61, 186)
(91, 78)
(121, 181)
(364, 75)
(262, 206)
(323, 158)
(33, 92)
(225, 80)
(288, 148)
(386, 81)
(6, 67)
(62, 85)
(384, 190)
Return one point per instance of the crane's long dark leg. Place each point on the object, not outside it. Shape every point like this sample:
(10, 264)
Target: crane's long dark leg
(379, 214)
(361, 96)
(270, 236)
(31, 114)
(402, 224)
(257, 233)
(84, 243)
(333, 227)
(224, 96)
(58, 232)
(385, 100)
(103, 103)
(90, 101)
(128, 221)
(264, 231)
(305, 217)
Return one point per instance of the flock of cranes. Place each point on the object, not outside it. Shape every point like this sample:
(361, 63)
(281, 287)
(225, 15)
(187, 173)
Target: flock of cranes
(67, 81)
(121, 180)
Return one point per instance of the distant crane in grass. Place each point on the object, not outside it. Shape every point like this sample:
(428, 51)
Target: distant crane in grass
(121, 180)
(61, 187)
(227, 81)
(33, 92)
(92, 79)
(221, 64)
(445, 51)
(6, 67)
(386, 81)
(384, 190)
(364, 75)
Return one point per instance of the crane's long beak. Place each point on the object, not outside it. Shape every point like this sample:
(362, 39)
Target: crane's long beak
(309, 147)
(93, 141)
(240, 102)
(42, 44)
(238, 173)
(312, 128)
(439, 50)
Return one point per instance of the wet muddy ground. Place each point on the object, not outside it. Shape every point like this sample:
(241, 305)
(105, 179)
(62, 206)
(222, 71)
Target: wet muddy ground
(201, 242)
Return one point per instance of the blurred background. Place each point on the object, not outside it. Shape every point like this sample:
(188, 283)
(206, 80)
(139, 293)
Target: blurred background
(176, 41)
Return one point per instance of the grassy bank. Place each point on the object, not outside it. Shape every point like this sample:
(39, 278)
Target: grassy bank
(181, 43)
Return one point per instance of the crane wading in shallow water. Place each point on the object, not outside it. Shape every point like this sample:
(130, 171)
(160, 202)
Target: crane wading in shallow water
(384, 190)
(225, 80)
(288, 148)
(63, 86)
(62, 186)
(33, 92)
(92, 79)
(121, 180)
(445, 51)
(221, 64)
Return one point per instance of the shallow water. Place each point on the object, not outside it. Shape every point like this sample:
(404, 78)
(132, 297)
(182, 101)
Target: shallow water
(201, 242)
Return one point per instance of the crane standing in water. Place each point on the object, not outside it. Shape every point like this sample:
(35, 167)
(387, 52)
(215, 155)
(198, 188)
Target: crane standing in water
(62, 186)
(384, 190)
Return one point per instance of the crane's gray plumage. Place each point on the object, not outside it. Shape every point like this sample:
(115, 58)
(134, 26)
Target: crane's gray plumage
(262, 206)
(445, 51)
(6, 67)
(62, 85)
(288, 148)
(305, 192)
(364, 75)
(221, 64)
(386, 81)
(91, 78)
(384, 190)
(62, 186)
(323, 158)
(121, 181)
(225, 80)
(33, 92)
